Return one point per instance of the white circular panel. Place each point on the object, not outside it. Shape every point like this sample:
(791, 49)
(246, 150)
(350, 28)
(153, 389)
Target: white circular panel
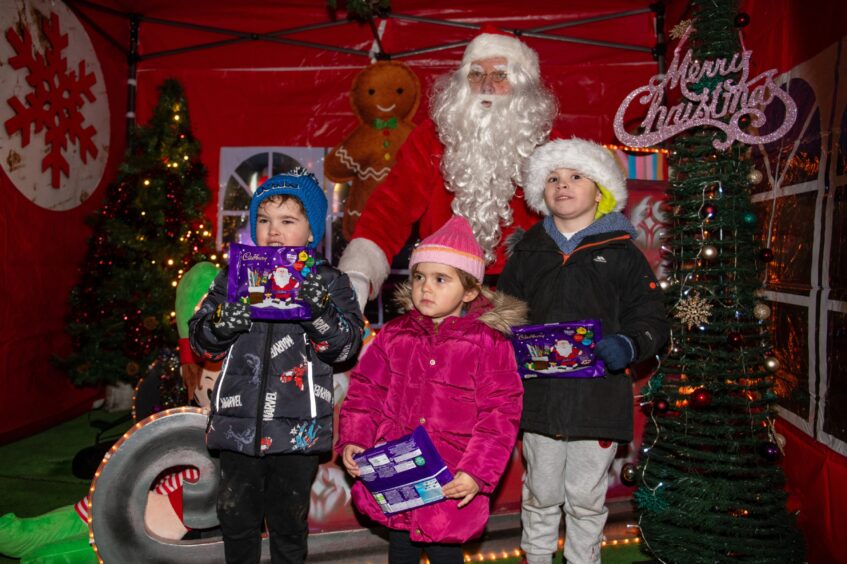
(53, 106)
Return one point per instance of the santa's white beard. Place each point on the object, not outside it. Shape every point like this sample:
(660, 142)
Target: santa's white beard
(564, 350)
(281, 278)
(484, 148)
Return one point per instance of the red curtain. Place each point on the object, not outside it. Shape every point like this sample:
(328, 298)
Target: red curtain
(42, 250)
(816, 479)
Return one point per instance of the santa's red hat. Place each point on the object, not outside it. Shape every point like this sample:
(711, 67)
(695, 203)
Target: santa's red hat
(492, 42)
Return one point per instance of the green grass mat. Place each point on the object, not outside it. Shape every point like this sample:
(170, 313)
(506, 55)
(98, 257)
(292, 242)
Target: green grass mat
(36, 475)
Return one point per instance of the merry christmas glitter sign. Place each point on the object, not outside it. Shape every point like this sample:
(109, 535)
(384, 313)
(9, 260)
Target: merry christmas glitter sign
(729, 95)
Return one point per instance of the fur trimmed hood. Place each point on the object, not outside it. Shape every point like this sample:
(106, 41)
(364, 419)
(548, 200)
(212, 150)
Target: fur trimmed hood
(589, 158)
(495, 309)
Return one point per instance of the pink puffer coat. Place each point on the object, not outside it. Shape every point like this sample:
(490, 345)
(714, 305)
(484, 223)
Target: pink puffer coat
(460, 382)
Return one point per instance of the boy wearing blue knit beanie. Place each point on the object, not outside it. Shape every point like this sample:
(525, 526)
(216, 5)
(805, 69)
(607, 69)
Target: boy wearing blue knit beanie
(578, 263)
(271, 413)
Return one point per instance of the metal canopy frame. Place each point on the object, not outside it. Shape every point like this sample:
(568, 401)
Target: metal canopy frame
(280, 37)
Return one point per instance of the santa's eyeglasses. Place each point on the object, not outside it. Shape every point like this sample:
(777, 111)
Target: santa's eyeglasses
(475, 77)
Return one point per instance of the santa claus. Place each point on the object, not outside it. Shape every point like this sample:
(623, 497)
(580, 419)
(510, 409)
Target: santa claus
(486, 119)
(564, 353)
(283, 285)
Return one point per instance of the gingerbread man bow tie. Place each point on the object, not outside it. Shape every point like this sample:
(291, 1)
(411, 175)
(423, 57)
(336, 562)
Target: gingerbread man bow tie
(390, 123)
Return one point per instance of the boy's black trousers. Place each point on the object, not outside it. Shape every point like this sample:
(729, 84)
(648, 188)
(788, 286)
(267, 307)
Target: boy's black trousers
(275, 487)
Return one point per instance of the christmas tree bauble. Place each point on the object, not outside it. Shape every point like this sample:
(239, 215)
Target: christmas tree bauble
(771, 364)
(766, 255)
(735, 338)
(761, 311)
(701, 398)
(628, 474)
(769, 451)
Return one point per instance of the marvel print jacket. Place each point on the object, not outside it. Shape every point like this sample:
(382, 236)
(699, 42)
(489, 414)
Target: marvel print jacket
(274, 393)
(460, 382)
(607, 278)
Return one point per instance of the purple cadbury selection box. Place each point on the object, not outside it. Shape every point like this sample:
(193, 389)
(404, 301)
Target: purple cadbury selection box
(269, 280)
(558, 350)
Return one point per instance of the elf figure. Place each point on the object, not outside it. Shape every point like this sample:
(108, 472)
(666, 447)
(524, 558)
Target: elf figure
(61, 535)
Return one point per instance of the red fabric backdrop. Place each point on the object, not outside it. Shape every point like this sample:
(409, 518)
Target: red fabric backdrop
(816, 479)
(41, 253)
(272, 95)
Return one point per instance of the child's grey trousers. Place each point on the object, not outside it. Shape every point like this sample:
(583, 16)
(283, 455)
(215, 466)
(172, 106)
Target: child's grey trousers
(569, 473)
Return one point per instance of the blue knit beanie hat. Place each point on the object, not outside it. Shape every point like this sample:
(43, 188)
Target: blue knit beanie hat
(301, 184)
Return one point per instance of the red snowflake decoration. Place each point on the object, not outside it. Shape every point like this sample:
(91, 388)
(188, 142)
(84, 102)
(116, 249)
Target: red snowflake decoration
(54, 102)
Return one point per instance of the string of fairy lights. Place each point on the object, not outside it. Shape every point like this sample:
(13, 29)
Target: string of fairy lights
(694, 311)
(495, 555)
(203, 230)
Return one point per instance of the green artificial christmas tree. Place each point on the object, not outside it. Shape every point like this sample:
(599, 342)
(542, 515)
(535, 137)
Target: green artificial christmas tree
(149, 231)
(710, 488)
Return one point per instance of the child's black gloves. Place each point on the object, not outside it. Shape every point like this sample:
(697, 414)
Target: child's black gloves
(315, 293)
(617, 351)
(230, 319)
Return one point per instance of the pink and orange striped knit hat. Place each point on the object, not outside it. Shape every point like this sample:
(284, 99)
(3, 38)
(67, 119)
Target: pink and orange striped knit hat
(454, 245)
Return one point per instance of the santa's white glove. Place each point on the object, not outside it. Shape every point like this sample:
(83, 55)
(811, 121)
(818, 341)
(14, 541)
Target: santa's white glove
(361, 285)
(366, 265)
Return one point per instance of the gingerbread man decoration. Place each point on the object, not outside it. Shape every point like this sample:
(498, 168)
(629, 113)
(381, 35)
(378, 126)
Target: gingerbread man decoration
(385, 97)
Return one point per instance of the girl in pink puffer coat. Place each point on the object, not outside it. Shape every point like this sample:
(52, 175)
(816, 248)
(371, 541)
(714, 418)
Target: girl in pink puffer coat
(448, 365)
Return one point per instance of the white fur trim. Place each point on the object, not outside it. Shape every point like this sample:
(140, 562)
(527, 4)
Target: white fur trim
(589, 158)
(489, 45)
(364, 258)
(361, 285)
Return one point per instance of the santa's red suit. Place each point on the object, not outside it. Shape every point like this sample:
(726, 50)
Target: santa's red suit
(565, 360)
(415, 191)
